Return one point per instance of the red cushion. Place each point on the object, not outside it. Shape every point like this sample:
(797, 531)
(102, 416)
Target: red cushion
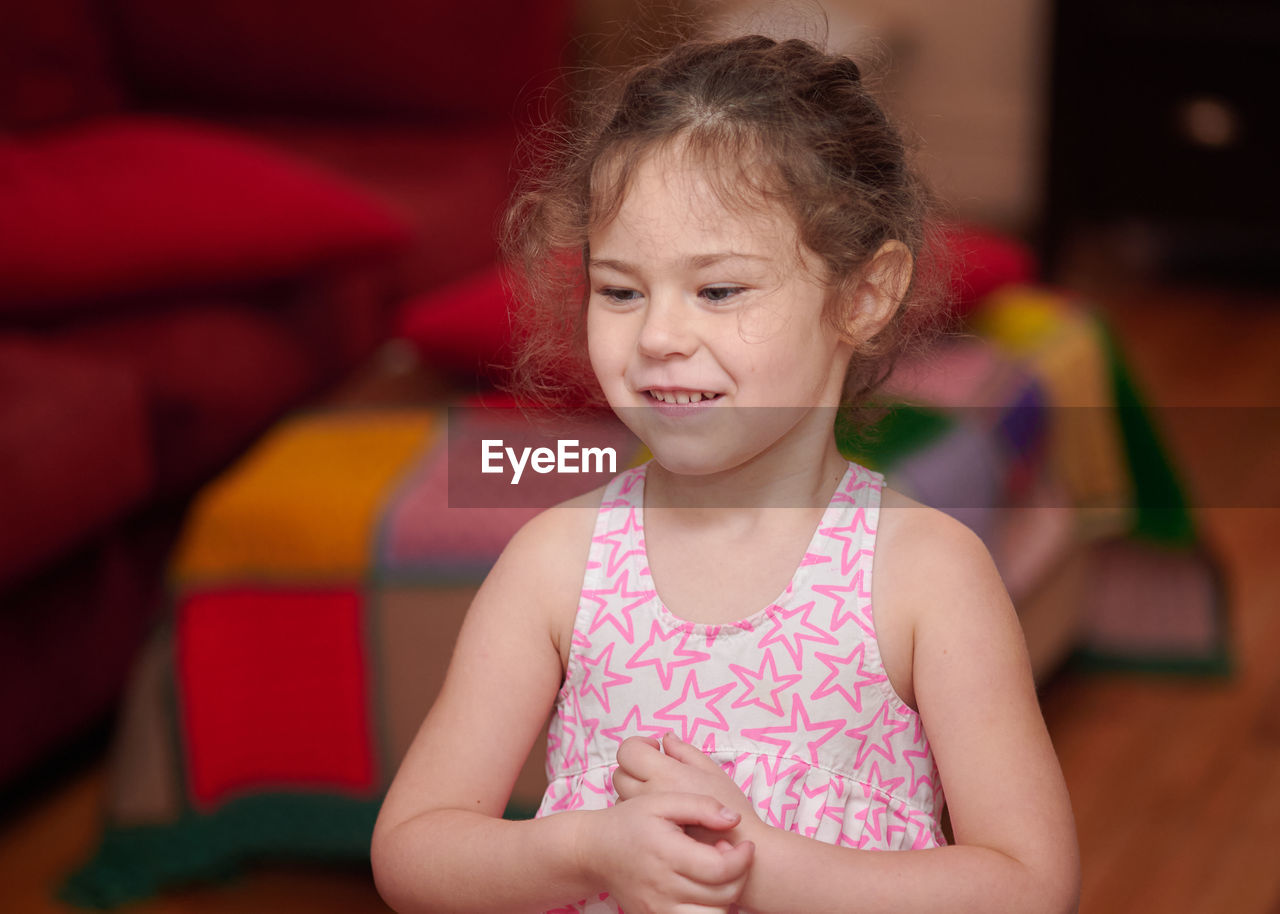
(335, 56)
(123, 207)
(451, 182)
(979, 261)
(54, 63)
(213, 376)
(74, 450)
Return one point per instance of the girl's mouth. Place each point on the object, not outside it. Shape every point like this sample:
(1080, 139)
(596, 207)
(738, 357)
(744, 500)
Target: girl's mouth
(680, 397)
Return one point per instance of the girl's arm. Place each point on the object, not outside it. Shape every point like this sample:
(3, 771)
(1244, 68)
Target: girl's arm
(440, 843)
(1015, 847)
(439, 834)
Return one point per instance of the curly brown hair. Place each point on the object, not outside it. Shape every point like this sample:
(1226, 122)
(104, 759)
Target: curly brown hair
(779, 121)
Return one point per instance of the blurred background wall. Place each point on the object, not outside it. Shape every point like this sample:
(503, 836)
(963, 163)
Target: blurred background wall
(969, 80)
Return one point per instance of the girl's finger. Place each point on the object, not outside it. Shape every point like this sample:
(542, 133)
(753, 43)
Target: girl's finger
(704, 908)
(716, 868)
(640, 756)
(626, 786)
(738, 858)
(695, 809)
(701, 862)
(681, 751)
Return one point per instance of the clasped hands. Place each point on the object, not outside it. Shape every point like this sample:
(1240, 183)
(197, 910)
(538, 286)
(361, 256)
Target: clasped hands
(681, 833)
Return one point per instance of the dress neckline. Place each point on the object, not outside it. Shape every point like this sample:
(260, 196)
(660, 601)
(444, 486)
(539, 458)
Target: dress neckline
(829, 518)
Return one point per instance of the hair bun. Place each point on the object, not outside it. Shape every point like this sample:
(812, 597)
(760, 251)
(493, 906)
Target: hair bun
(754, 42)
(850, 70)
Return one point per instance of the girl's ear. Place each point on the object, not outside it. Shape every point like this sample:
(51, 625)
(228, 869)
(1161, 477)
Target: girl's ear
(877, 292)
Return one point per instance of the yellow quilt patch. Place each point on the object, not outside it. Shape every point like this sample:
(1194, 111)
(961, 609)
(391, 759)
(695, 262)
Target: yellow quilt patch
(262, 518)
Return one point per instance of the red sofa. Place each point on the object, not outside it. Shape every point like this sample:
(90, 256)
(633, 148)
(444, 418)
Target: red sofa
(210, 211)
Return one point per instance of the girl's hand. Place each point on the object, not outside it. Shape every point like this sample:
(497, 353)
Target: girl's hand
(640, 852)
(646, 766)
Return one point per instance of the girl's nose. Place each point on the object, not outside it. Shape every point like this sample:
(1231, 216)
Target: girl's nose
(667, 329)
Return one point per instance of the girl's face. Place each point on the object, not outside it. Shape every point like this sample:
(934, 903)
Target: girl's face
(705, 324)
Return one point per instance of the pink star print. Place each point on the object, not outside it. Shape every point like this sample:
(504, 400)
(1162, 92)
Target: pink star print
(598, 678)
(898, 823)
(801, 726)
(621, 620)
(885, 728)
(839, 675)
(757, 683)
(877, 783)
(833, 785)
(574, 756)
(693, 712)
(633, 725)
(630, 480)
(791, 641)
(836, 593)
(924, 832)
(923, 772)
(665, 670)
(852, 539)
(857, 482)
(617, 539)
(871, 817)
(785, 817)
(779, 767)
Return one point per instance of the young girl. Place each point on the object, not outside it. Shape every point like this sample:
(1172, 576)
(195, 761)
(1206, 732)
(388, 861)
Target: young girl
(773, 664)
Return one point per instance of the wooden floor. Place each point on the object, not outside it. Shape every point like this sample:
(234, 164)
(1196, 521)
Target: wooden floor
(1175, 782)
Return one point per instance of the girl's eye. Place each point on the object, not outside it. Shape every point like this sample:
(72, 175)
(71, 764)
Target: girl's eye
(719, 294)
(618, 296)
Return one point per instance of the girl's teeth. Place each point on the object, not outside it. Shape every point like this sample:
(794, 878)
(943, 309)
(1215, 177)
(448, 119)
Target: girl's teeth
(680, 398)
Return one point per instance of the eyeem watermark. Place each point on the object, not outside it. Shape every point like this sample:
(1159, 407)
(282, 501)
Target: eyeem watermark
(509, 458)
(567, 458)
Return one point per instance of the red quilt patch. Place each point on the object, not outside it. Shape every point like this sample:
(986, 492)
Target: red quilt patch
(272, 687)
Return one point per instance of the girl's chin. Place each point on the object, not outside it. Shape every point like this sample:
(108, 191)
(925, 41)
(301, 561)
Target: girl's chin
(684, 464)
(701, 456)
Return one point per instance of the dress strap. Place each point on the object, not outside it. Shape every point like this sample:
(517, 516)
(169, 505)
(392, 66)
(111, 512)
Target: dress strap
(617, 516)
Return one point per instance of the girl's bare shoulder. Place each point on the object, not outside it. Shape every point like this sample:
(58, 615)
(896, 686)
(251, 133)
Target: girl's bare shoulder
(921, 551)
(546, 549)
(931, 573)
(906, 524)
(546, 558)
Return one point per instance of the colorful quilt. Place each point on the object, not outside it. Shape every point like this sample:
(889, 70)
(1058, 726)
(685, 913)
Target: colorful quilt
(320, 583)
